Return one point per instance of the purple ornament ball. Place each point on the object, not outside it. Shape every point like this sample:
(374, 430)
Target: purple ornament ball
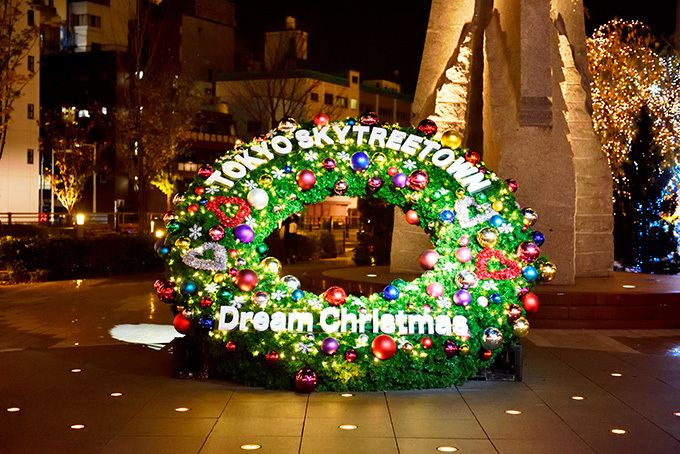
(244, 233)
(462, 297)
(374, 183)
(400, 180)
(305, 380)
(330, 345)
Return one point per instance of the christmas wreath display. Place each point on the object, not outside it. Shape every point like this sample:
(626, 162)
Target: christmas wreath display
(435, 331)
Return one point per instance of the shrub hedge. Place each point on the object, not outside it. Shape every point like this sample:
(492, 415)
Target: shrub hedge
(33, 259)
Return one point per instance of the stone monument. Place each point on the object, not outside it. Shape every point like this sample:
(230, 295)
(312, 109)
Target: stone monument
(511, 77)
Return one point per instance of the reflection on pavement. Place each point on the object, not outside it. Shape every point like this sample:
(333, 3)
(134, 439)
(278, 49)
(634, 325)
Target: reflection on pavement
(153, 336)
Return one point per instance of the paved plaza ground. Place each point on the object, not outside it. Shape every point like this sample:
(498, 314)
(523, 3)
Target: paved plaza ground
(59, 365)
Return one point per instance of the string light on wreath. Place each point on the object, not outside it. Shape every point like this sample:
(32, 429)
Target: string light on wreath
(266, 330)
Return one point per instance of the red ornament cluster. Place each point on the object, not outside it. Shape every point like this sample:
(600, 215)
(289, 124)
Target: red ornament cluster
(512, 269)
(243, 210)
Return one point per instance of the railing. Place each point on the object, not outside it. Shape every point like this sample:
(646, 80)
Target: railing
(107, 222)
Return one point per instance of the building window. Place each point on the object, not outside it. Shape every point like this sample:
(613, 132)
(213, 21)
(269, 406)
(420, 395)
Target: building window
(254, 127)
(353, 104)
(29, 156)
(328, 99)
(31, 18)
(31, 63)
(341, 101)
(355, 79)
(86, 19)
(210, 75)
(385, 112)
(95, 21)
(314, 97)
(31, 111)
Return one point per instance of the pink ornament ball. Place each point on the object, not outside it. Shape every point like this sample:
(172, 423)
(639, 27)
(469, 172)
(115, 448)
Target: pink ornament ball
(412, 217)
(428, 259)
(434, 289)
(528, 251)
(463, 254)
(216, 232)
(305, 179)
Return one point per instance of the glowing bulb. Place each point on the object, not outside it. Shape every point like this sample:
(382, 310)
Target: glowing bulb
(116, 394)
(513, 412)
(616, 374)
(78, 426)
(347, 427)
(76, 371)
(347, 395)
(578, 397)
(618, 431)
(446, 449)
(13, 409)
(181, 409)
(250, 447)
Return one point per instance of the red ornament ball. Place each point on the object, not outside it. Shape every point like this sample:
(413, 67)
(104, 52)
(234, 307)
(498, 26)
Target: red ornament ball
(206, 301)
(305, 179)
(428, 259)
(512, 184)
(427, 127)
(530, 303)
(369, 118)
(472, 157)
(205, 171)
(426, 342)
(434, 289)
(384, 347)
(450, 348)
(485, 354)
(350, 355)
(182, 324)
(230, 346)
(246, 280)
(321, 120)
(528, 251)
(271, 357)
(199, 190)
(335, 296)
(329, 164)
(412, 217)
(305, 380)
(233, 253)
(418, 180)
(193, 208)
(392, 171)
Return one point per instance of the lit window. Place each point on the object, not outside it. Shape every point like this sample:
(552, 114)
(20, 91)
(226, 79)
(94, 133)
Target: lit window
(353, 104)
(341, 101)
(31, 111)
(29, 156)
(84, 113)
(105, 111)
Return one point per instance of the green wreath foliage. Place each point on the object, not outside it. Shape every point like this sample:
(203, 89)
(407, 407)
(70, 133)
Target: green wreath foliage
(452, 216)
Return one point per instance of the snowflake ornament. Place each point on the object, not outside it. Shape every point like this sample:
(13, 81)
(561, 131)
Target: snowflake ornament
(195, 232)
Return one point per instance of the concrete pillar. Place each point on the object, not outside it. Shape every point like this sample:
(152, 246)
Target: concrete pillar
(536, 121)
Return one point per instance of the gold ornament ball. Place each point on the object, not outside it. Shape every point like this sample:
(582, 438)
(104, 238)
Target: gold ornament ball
(183, 242)
(266, 181)
(521, 327)
(271, 264)
(464, 350)
(548, 271)
(497, 205)
(487, 237)
(460, 193)
(379, 158)
(408, 347)
(219, 277)
(451, 140)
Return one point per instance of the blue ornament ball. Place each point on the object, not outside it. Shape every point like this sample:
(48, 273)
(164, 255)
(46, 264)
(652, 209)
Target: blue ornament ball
(288, 169)
(446, 216)
(297, 294)
(539, 238)
(360, 161)
(496, 220)
(530, 273)
(351, 121)
(495, 298)
(161, 248)
(203, 201)
(188, 288)
(390, 293)
(206, 322)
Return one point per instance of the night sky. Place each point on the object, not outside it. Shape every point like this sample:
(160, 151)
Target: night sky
(384, 39)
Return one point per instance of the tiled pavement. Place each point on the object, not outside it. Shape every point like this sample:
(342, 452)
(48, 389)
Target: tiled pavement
(48, 330)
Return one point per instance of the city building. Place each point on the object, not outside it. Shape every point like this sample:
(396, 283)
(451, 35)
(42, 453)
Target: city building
(20, 162)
